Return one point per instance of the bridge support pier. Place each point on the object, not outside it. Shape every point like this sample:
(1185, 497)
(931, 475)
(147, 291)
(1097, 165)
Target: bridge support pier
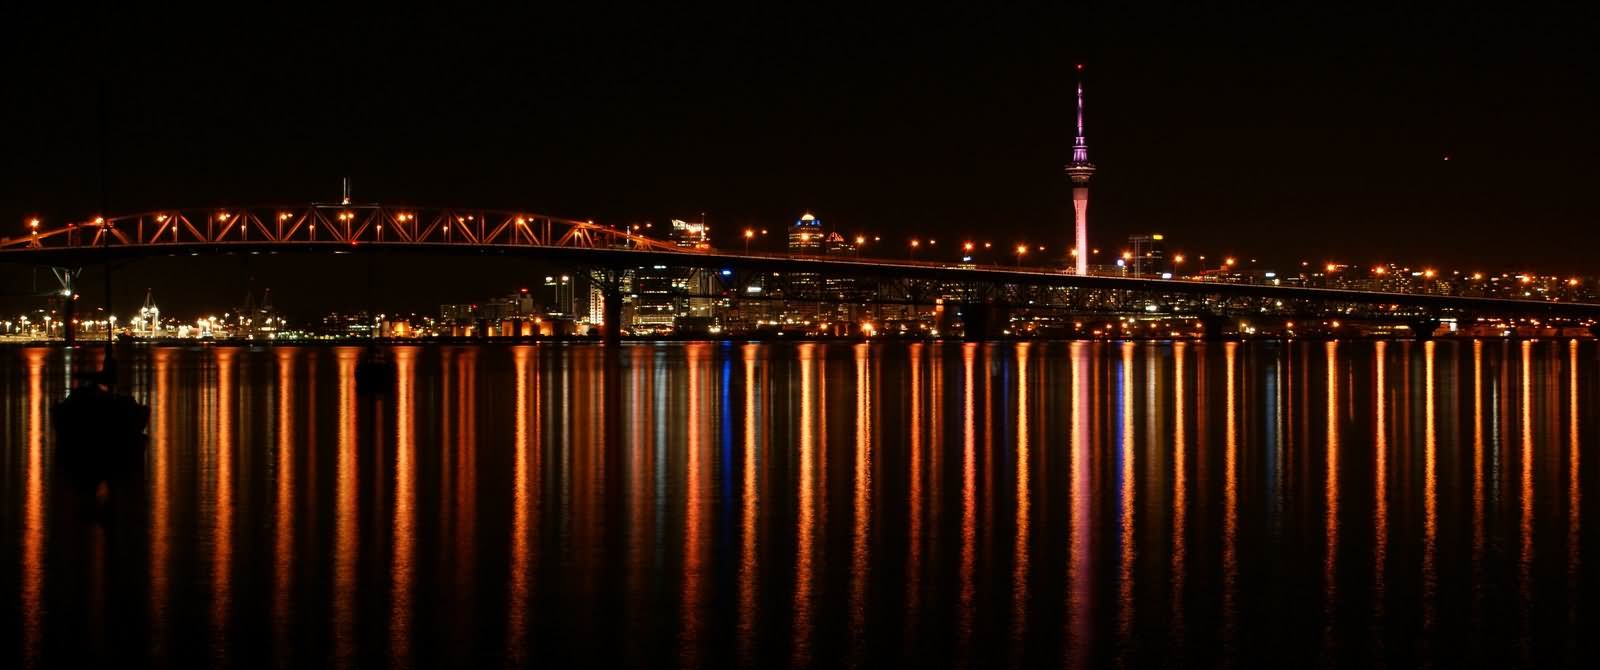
(69, 315)
(980, 321)
(613, 317)
(1214, 327)
(609, 281)
(1422, 329)
(67, 277)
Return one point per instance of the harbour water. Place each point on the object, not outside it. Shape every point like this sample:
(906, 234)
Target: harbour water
(817, 504)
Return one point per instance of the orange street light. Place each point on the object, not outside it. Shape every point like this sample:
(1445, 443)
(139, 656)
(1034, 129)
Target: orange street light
(1022, 249)
(967, 246)
(749, 234)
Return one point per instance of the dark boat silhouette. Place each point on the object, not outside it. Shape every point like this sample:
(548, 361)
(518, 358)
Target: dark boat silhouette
(100, 433)
(374, 372)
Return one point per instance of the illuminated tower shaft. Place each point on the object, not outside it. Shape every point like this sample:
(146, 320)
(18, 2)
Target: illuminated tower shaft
(1080, 169)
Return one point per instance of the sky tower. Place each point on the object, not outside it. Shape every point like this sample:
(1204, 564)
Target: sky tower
(1080, 169)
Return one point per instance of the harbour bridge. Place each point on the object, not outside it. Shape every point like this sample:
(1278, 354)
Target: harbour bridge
(605, 253)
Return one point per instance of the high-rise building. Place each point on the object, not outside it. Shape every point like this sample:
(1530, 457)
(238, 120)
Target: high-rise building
(1148, 255)
(801, 289)
(805, 236)
(691, 235)
(657, 298)
(559, 296)
(1080, 170)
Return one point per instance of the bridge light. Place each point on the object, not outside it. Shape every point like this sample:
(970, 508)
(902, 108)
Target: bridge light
(1127, 255)
(1428, 274)
(1228, 262)
(861, 240)
(1379, 270)
(915, 244)
(33, 223)
(222, 216)
(748, 233)
(966, 246)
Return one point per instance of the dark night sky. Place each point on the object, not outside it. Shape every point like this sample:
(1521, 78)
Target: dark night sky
(1270, 131)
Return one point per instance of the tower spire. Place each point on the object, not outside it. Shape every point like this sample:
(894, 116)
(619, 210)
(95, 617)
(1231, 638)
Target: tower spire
(1080, 147)
(1080, 170)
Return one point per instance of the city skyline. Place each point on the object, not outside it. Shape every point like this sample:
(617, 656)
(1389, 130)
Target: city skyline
(1190, 140)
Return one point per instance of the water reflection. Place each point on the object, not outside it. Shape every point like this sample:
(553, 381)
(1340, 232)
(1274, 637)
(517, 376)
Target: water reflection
(524, 504)
(347, 536)
(221, 471)
(805, 526)
(33, 513)
(283, 499)
(1023, 504)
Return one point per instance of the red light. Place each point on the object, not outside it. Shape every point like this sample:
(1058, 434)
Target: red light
(1080, 67)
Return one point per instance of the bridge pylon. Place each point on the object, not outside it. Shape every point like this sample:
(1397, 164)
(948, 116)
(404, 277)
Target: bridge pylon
(609, 281)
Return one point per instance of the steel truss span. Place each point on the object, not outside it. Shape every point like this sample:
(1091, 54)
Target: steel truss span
(342, 228)
(332, 224)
